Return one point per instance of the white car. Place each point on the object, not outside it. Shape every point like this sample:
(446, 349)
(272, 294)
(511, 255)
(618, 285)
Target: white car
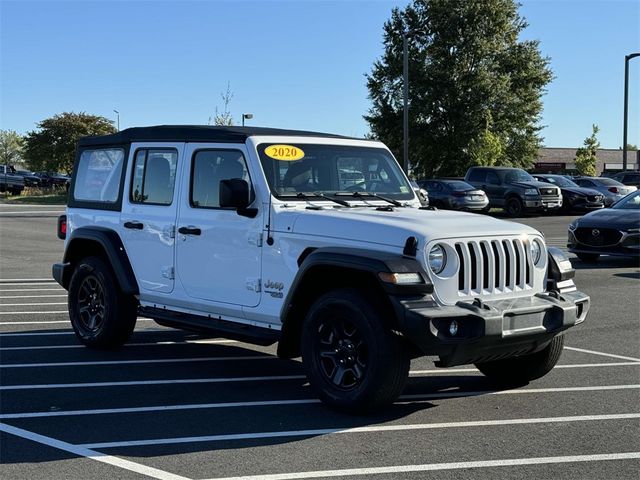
(253, 234)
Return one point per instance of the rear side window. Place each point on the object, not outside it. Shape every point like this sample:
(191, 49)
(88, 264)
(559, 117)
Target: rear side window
(154, 176)
(208, 168)
(97, 177)
(476, 176)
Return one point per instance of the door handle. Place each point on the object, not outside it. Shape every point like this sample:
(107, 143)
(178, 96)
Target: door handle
(134, 225)
(190, 230)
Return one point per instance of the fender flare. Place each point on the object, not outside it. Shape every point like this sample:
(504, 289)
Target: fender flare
(114, 250)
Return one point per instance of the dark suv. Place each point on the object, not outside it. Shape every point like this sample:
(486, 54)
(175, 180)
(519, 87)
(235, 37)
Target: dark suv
(514, 190)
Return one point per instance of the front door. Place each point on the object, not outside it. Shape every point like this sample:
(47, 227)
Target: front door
(218, 251)
(148, 218)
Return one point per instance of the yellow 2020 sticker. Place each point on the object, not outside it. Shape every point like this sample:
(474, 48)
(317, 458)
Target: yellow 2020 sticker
(287, 153)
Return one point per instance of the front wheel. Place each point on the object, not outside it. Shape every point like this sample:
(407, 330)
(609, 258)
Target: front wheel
(514, 207)
(101, 315)
(354, 361)
(523, 369)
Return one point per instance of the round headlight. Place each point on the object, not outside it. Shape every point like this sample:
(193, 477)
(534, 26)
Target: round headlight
(536, 250)
(437, 259)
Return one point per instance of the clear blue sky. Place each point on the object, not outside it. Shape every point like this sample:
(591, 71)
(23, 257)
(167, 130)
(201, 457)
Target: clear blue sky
(293, 64)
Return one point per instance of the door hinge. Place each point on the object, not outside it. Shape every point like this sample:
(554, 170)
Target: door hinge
(254, 284)
(168, 272)
(255, 239)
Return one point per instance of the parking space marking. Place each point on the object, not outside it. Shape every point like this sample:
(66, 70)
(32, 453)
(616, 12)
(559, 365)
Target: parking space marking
(43, 322)
(602, 354)
(32, 296)
(59, 289)
(430, 467)
(137, 344)
(88, 453)
(355, 430)
(71, 332)
(31, 304)
(51, 283)
(4, 280)
(138, 361)
(199, 406)
(27, 213)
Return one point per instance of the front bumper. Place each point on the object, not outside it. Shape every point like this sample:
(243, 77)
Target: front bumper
(489, 330)
(538, 203)
(627, 246)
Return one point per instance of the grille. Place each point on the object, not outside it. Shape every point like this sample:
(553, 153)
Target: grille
(496, 266)
(598, 237)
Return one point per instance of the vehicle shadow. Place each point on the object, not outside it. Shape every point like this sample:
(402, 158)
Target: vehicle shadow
(305, 420)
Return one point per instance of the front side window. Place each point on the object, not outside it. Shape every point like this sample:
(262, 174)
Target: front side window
(208, 168)
(97, 177)
(332, 170)
(154, 176)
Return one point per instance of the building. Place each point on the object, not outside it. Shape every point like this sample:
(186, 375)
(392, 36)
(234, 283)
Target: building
(551, 160)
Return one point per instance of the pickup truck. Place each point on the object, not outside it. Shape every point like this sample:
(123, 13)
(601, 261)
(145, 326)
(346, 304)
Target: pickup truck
(10, 181)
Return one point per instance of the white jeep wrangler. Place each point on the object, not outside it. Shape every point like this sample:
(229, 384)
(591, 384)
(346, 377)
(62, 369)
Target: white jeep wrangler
(314, 241)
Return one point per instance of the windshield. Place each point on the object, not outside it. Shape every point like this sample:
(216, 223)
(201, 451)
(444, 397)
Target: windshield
(332, 169)
(630, 202)
(609, 182)
(559, 180)
(518, 175)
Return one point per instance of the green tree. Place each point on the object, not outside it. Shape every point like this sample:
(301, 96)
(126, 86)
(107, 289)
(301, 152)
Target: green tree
(11, 147)
(52, 146)
(474, 88)
(586, 156)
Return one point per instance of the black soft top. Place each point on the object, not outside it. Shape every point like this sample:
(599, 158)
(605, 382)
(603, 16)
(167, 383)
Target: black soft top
(194, 133)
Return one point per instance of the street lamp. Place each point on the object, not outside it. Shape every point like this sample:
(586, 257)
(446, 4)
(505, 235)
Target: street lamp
(247, 116)
(626, 107)
(405, 98)
(118, 118)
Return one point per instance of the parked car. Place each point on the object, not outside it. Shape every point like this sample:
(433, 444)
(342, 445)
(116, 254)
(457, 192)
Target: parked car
(574, 197)
(54, 179)
(421, 193)
(10, 181)
(614, 231)
(514, 190)
(216, 229)
(610, 188)
(628, 178)
(455, 195)
(30, 178)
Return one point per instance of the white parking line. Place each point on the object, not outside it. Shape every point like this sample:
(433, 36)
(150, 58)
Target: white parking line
(200, 406)
(45, 322)
(602, 354)
(370, 429)
(87, 453)
(48, 312)
(4, 280)
(431, 467)
(59, 289)
(33, 296)
(51, 283)
(135, 362)
(138, 344)
(31, 304)
(71, 332)
(31, 212)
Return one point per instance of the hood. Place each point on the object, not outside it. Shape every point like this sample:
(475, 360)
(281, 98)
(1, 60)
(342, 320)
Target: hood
(366, 224)
(611, 218)
(580, 191)
(534, 184)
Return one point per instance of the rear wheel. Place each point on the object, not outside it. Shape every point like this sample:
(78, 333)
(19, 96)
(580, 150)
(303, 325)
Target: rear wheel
(353, 359)
(588, 257)
(514, 207)
(101, 315)
(522, 369)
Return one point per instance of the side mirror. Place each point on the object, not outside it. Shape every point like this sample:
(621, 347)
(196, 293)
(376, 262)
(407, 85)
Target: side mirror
(235, 193)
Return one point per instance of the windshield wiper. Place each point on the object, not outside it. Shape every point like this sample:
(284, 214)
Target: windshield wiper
(308, 195)
(374, 195)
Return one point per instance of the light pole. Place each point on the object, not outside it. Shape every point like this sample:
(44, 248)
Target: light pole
(247, 116)
(118, 118)
(626, 107)
(405, 98)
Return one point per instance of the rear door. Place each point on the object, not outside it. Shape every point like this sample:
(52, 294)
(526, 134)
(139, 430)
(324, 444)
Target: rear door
(149, 210)
(219, 252)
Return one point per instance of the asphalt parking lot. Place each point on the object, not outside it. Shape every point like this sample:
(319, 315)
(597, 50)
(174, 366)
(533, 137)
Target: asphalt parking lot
(174, 405)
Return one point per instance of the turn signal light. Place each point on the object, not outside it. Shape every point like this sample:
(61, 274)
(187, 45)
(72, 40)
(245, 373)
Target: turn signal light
(401, 278)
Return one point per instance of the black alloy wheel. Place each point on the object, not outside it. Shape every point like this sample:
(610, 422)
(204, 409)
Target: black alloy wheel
(91, 304)
(343, 353)
(514, 207)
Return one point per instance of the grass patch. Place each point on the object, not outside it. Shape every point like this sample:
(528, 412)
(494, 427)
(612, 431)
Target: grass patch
(51, 199)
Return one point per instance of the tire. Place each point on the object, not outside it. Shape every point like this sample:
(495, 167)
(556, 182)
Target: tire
(514, 207)
(101, 315)
(588, 257)
(16, 191)
(523, 369)
(354, 362)
(486, 209)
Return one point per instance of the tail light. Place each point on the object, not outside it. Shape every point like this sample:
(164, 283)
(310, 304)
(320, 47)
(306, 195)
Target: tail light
(613, 189)
(62, 227)
(459, 194)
